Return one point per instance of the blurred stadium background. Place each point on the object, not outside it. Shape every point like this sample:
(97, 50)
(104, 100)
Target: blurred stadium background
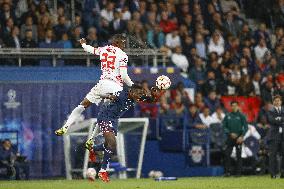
(214, 51)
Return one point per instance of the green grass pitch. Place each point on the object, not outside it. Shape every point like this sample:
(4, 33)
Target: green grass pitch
(263, 182)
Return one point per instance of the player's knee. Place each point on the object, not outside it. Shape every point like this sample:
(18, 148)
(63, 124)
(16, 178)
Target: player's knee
(111, 145)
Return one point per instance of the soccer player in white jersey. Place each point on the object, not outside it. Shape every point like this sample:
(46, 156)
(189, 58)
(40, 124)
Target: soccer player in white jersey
(114, 75)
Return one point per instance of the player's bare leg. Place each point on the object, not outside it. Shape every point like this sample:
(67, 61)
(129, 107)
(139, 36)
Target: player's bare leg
(109, 150)
(75, 114)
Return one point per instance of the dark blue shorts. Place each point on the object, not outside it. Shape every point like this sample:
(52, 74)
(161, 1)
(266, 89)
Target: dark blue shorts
(108, 126)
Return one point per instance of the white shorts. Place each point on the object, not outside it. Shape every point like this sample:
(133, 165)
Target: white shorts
(103, 88)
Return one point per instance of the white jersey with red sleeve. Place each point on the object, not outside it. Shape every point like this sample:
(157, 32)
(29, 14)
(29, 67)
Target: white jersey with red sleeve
(113, 63)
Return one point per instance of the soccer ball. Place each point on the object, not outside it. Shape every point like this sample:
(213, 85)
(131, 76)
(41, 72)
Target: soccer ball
(155, 174)
(163, 82)
(91, 174)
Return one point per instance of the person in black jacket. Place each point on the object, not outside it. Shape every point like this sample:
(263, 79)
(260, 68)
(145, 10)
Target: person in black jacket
(28, 42)
(275, 136)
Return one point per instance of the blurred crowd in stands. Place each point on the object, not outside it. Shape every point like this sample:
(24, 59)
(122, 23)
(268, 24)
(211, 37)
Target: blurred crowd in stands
(210, 41)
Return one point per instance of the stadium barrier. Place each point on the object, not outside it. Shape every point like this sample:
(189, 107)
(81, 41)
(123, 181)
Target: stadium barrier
(56, 56)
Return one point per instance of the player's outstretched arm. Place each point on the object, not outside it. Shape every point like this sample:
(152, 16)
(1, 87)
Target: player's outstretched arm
(87, 48)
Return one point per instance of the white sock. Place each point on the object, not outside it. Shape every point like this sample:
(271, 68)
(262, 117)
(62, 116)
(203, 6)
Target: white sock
(75, 114)
(102, 170)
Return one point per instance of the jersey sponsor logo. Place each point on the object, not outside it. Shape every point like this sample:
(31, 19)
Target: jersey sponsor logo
(12, 103)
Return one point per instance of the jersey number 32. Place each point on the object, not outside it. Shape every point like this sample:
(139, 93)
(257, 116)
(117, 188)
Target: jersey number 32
(108, 61)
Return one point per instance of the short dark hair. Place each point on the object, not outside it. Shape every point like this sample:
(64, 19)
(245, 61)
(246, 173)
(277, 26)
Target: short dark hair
(276, 96)
(234, 102)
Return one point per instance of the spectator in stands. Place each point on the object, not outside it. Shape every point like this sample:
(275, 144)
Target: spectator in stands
(278, 13)
(92, 38)
(78, 23)
(262, 33)
(91, 14)
(218, 116)
(216, 44)
(42, 11)
(277, 36)
(250, 61)
(246, 86)
(147, 109)
(256, 83)
(155, 37)
(173, 39)
(64, 43)
(216, 23)
(180, 59)
(104, 34)
(214, 67)
(126, 15)
(60, 28)
(7, 29)
(117, 25)
(216, 5)
(199, 102)
(227, 5)
(260, 49)
(267, 91)
(13, 40)
(29, 26)
(43, 25)
(197, 73)
(210, 84)
(167, 24)
(200, 46)
(244, 67)
(179, 90)
(164, 105)
(108, 11)
(245, 34)
(273, 67)
(194, 120)
(28, 41)
(205, 117)
(235, 127)
(279, 55)
(21, 7)
(32, 12)
(9, 159)
(142, 10)
(262, 125)
(177, 107)
(231, 26)
(200, 29)
(60, 12)
(135, 20)
(76, 36)
(231, 86)
(211, 101)
(7, 13)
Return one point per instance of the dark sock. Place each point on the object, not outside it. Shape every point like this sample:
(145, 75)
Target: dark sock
(99, 147)
(107, 155)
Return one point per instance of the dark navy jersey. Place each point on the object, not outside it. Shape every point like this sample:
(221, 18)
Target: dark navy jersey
(110, 112)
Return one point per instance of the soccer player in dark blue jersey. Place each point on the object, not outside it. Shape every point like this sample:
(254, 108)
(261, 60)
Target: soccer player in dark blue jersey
(107, 121)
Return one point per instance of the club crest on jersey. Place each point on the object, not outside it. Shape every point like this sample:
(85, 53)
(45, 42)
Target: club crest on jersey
(12, 103)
